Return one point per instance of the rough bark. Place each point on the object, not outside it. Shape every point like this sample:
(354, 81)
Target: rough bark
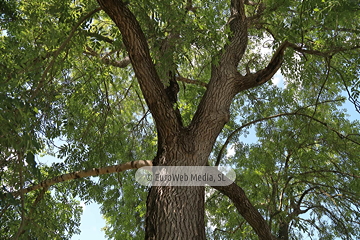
(175, 213)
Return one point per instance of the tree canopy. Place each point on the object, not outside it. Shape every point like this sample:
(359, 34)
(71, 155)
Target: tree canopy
(102, 83)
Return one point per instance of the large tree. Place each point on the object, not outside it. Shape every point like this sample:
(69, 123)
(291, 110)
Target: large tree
(179, 83)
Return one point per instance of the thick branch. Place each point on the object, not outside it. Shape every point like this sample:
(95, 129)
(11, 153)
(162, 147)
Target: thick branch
(85, 173)
(251, 80)
(247, 210)
(214, 109)
(149, 81)
(262, 76)
(238, 41)
(266, 74)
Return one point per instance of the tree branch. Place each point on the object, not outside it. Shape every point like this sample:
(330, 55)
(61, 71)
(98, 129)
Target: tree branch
(247, 210)
(251, 80)
(139, 54)
(238, 41)
(267, 73)
(86, 173)
(297, 206)
(264, 75)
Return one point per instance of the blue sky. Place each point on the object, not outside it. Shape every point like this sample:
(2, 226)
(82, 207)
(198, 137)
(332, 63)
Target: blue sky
(91, 224)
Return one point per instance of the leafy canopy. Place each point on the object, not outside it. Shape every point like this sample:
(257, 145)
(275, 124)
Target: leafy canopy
(67, 89)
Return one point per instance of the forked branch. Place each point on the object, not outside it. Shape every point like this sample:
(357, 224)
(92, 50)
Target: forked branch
(251, 80)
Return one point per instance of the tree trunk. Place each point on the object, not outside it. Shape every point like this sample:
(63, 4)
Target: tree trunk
(283, 231)
(175, 213)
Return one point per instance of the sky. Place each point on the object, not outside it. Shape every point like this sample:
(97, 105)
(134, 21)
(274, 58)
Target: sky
(91, 224)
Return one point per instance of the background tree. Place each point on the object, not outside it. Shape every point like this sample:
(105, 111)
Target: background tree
(179, 82)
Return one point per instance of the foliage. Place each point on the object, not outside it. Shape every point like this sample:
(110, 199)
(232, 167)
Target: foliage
(67, 90)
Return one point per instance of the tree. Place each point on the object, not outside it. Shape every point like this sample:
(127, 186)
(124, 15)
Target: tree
(178, 82)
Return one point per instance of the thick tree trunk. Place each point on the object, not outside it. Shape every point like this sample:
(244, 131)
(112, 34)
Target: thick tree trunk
(175, 213)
